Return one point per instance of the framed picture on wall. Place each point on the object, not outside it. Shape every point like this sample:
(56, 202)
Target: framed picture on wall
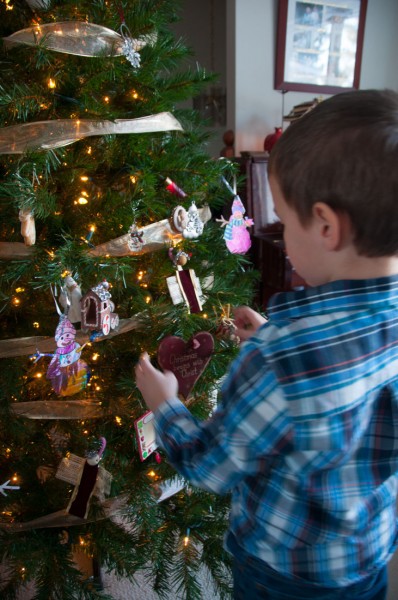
(319, 45)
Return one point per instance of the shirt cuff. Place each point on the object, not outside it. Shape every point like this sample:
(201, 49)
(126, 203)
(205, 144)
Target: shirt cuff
(168, 409)
(164, 415)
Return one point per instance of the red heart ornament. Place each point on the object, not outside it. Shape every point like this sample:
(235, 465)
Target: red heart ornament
(187, 360)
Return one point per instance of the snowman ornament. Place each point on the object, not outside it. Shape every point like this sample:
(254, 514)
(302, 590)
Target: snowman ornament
(194, 225)
(66, 371)
(236, 236)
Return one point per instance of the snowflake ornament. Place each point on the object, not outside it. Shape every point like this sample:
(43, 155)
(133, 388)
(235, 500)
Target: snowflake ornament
(132, 55)
(129, 47)
(5, 486)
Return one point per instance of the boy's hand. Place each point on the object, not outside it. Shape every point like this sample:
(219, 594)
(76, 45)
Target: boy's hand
(155, 386)
(247, 321)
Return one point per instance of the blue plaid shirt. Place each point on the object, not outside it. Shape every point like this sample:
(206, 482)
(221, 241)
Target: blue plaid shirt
(306, 435)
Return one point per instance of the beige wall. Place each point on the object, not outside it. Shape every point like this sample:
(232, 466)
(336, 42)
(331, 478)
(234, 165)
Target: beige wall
(236, 38)
(251, 60)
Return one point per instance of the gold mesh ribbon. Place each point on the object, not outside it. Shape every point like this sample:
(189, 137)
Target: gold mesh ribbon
(46, 135)
(111, 508)
(78, 38)
(57, 409)
(30, 345)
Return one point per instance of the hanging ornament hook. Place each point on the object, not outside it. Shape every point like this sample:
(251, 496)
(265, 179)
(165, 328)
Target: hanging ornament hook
(128, 49)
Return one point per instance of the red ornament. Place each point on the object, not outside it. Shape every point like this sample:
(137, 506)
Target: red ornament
(272, 138)
(174, 189)
(187, 360)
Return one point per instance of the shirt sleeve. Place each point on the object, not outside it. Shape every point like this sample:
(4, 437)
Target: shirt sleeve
(250, 425)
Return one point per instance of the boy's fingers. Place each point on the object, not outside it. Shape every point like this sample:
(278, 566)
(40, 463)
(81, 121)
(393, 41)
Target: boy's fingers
(144, 364)
(170, 375)
(144, 361)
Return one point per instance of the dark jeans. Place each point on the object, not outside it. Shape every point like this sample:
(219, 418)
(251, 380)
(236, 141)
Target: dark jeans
(255, 580)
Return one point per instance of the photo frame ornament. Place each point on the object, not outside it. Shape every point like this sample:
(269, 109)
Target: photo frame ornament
(179, 219)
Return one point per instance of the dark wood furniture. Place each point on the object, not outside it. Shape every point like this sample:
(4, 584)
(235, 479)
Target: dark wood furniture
(268, 249)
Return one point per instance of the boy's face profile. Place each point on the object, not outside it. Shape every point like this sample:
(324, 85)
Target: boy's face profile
(303, 244)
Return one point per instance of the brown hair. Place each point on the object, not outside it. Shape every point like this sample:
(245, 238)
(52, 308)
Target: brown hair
(344, 152)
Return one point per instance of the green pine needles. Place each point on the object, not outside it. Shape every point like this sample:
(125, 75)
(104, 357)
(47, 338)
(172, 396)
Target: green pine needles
(81, 195)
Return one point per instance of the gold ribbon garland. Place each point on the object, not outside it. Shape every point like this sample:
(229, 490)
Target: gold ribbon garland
(47, 135)
(78, 38)
(156, 235)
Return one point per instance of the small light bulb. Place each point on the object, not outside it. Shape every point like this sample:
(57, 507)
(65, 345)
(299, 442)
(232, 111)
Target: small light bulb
(186, 538)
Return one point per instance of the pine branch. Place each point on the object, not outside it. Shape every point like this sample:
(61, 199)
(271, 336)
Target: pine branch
(20, 102)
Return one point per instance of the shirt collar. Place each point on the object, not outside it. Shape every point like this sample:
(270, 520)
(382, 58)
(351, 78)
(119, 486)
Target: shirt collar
(344, 295)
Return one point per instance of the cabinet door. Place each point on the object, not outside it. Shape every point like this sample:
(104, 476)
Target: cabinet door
(257, 193)
(268, 250)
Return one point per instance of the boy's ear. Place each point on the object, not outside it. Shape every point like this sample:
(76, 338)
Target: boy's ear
(333, 227)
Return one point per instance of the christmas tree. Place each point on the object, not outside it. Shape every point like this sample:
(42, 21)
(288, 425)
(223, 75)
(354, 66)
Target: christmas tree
(110, 245)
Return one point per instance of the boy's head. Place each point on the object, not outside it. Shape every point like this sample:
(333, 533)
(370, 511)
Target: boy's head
(344, 153)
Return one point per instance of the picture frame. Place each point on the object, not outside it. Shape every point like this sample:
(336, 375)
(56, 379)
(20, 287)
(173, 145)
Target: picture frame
(319, 45)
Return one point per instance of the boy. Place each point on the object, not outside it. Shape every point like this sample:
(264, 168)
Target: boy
(306, 436)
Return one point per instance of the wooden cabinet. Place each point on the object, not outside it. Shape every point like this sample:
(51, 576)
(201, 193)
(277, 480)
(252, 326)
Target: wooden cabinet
(268, 249)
